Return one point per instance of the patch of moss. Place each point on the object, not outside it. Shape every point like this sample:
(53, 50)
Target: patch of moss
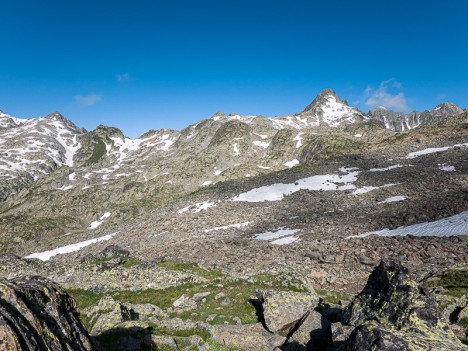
(454, 282)
(331, 296)
(191, 268)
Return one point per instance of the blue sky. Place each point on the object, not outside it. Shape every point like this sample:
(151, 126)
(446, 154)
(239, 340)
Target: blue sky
(145, 64)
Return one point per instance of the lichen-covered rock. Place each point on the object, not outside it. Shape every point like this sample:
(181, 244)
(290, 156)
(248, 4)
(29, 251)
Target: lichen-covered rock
(250, 337)
(393, 312)
(108, 313)
(282, 309)
(37, 314)
(110, 252)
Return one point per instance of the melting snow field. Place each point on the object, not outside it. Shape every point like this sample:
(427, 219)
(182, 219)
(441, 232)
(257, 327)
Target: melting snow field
(46, 255)
(197, 207)
(326, 182)
(97, 223)
(432, 150)
(450, 226)
(235, 225)
(275, 235)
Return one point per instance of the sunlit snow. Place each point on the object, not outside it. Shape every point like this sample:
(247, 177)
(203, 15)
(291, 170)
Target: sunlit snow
(46, 255)
(393, 199)
(449, 226)
(97, 223)
(235, 225)
(292, 163)
(433, 150)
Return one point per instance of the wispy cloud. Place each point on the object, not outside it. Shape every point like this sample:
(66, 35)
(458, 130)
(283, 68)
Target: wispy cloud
(87, 100)
(387, 95)
(124, 77)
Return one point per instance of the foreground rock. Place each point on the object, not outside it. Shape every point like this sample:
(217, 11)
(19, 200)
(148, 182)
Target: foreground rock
(393, 312)
(283, 309)
(37, 314)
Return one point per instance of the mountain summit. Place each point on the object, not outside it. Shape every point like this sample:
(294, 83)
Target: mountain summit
(329, 109)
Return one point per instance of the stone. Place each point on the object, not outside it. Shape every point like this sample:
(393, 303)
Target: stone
(37, 314)
(312, 332)
(251, 337)
(393, 312)
(282, 309)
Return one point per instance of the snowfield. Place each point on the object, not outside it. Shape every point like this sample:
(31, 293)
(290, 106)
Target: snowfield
(450, 226)
(46, 255)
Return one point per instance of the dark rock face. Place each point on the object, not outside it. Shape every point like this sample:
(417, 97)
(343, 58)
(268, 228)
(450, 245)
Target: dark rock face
(37, 314)
(393, 312)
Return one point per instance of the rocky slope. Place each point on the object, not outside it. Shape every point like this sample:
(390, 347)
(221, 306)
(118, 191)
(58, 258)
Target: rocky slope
(321, 196)
(225, 312)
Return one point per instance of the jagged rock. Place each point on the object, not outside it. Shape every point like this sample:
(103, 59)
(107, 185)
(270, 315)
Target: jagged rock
(37, 314)
(394, 313)
(282, 309)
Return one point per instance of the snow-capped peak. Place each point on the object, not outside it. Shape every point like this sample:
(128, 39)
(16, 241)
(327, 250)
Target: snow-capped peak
(329, 109)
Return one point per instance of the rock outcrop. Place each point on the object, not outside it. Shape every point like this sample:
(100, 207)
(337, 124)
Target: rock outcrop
(393, 312)
(37, 314)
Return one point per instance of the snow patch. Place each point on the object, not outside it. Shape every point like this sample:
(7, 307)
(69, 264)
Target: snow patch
(285, 241)
(291, 164)
(46, 255)
(235, 225)
(385, 169)
(97, 223)
(208, 182)
(432, 150)
(393, 199)
(263, 144)
(449, 226)
(197, 207)
(275, 234)
(447, 168)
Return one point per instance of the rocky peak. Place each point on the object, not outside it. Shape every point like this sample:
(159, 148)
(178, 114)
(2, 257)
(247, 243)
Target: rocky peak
(329, 109)
(58, 117)
(106, 132)
(447, 109)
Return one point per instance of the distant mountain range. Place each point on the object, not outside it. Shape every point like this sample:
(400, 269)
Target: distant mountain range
(34, 147)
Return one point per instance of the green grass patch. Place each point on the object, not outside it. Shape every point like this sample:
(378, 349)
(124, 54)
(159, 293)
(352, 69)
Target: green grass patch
(237, 296)
(332, 296)
(463, 322)
(454, 281)
(191, 268)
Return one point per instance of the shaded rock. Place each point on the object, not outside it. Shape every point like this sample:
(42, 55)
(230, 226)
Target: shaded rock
(282, 309)
(37, 314)
(312, 332)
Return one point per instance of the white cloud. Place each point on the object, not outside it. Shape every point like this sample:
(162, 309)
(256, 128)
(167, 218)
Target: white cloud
(87, 100)
(125, 77)
(387, 95)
